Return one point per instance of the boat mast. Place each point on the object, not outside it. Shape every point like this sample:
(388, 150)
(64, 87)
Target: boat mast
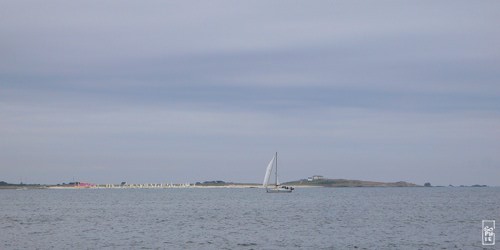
(276, 173)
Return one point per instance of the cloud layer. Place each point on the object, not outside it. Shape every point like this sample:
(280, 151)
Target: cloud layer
(192, 90)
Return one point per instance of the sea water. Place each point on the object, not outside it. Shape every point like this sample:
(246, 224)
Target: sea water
(247, 218)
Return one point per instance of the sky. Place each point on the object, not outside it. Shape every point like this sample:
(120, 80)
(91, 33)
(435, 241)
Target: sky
(186, 91)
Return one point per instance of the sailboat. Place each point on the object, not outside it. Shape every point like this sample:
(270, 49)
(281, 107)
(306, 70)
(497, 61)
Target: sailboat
(274, 187)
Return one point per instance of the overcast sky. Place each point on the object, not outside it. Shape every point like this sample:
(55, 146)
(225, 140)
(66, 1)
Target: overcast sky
(185, 91)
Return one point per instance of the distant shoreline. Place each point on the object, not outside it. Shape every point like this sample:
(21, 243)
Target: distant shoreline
(304, 183)
(232, 186)
(324, 182)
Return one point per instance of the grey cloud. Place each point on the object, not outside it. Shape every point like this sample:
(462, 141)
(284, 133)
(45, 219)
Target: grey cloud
(196, 90)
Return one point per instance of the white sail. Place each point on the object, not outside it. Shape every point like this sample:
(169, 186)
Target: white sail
(268, 172)
(275, 186)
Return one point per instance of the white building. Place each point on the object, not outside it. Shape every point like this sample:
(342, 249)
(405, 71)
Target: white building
(315, 177)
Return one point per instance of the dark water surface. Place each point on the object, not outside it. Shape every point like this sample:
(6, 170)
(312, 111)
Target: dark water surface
(309, 218)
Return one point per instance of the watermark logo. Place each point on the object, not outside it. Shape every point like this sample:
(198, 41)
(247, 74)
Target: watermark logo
(488, 232)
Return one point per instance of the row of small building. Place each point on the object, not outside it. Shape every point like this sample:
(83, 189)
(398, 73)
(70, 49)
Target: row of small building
(122, 185)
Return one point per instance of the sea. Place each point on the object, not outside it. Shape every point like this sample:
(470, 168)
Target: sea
(248, 218)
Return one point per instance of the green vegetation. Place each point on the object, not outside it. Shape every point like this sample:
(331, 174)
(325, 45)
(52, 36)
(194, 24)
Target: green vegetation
(5, 185)
(348, 183)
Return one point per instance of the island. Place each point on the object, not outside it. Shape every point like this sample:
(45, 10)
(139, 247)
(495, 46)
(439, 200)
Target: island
(5, 185)
(320, 181)
(316, 181)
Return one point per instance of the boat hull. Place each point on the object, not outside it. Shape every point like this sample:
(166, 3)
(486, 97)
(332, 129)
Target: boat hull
(278, 190)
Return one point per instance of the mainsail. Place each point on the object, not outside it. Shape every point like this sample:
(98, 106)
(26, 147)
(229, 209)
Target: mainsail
(268, 172)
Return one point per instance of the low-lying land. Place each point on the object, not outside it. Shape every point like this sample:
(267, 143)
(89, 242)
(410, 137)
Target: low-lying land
(348, 183)
(222, 184)
(5, 185)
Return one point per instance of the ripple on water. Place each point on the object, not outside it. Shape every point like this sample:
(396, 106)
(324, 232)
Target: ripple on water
(362, 218)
